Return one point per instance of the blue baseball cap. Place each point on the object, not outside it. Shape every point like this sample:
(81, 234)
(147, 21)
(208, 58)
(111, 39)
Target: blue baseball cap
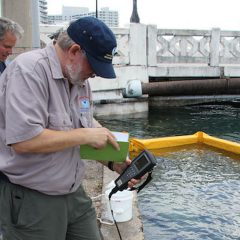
(98, 41)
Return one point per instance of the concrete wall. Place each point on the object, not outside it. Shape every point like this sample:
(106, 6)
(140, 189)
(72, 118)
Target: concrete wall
(130, 64)
(193, 53)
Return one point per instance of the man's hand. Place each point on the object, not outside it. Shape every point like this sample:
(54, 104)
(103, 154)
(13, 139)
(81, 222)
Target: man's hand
(120, 167)
(99, 137)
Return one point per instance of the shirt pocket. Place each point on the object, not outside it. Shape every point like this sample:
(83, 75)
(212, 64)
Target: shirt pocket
(86, 119)
(60, 121)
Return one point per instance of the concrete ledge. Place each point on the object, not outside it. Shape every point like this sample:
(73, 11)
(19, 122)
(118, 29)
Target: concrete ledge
(176, 101)
(130, 230)
(120, 106)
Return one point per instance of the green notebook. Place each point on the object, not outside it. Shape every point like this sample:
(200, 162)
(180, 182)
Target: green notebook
(108, 153)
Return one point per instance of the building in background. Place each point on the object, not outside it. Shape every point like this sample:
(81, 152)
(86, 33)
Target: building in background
(66, 16)
(109, 17)
(43, 13)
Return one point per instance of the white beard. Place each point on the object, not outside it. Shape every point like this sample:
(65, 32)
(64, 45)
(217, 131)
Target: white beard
(75, 76)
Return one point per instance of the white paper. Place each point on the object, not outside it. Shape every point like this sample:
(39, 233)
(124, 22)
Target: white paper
(121, 136)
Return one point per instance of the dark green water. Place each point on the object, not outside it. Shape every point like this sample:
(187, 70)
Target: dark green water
(195, 193)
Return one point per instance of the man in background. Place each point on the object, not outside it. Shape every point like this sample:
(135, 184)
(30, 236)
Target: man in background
(10, 33)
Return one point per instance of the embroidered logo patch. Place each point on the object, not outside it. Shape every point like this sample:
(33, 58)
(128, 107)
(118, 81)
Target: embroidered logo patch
(84, 104)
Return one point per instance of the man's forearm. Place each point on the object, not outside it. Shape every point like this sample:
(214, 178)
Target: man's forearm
(52, 141)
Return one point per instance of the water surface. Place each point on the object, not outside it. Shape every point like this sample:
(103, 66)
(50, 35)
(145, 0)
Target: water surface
(195, 193)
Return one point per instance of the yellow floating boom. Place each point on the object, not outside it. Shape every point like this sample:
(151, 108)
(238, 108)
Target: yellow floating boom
(137, 145)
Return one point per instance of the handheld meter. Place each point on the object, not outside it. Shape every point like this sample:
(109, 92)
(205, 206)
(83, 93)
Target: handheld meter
(140, 165)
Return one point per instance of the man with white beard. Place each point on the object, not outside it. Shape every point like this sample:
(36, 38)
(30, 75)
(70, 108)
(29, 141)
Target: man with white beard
(45, 115)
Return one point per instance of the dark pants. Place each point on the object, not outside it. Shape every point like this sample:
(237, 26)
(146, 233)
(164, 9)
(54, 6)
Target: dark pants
(2, 178)
(27, 214)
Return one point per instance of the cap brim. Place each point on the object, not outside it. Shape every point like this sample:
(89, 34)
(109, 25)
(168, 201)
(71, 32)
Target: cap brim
(100, 68)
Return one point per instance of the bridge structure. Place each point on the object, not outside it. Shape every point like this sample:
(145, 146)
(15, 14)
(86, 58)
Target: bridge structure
(170, 66)
(174, 58)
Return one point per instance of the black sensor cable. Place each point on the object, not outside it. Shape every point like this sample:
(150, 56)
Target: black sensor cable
(114, 190)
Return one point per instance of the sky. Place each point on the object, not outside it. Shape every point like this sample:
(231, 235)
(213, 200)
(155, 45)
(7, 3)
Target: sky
(167, 14)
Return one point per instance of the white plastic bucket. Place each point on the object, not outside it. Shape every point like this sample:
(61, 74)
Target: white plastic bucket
(121, 204)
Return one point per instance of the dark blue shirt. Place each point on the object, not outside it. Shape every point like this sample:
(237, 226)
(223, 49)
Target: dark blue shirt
(2, 66)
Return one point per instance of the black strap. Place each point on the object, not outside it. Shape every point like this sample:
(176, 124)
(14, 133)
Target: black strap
(110, 165)
(139, 188)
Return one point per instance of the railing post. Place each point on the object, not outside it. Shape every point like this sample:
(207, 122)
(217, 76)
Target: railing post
(138, 49)
(152, 45)
(215, 47)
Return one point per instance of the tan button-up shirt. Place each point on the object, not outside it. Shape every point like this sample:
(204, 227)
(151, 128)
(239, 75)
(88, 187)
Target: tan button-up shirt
(34, 96)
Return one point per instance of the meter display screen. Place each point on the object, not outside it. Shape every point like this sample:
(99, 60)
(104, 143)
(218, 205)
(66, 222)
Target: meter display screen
(141, 162)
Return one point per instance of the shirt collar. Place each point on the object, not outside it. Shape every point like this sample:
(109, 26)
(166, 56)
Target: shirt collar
(54, 62)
